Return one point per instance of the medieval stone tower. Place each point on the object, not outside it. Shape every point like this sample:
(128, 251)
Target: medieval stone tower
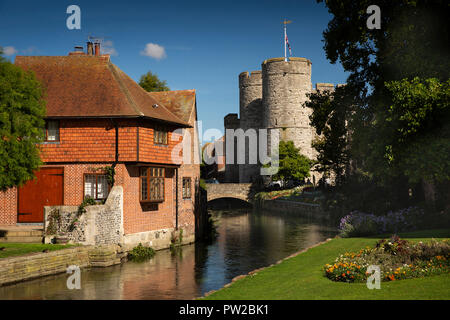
(273, 98)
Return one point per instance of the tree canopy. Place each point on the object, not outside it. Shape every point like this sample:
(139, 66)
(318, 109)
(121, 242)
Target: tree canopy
(292, 164)
(151, 83)
(329, 117)
(396, 95)
(22, 112)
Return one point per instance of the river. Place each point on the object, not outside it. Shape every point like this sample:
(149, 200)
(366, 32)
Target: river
(247, 239)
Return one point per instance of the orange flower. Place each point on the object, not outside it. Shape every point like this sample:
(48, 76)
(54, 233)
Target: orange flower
(392, 277)
(343, 274)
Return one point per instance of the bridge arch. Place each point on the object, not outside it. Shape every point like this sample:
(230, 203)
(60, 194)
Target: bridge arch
(240, 191)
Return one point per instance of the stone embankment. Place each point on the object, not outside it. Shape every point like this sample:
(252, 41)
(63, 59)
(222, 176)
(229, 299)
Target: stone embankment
(308, 210)
(36, 265)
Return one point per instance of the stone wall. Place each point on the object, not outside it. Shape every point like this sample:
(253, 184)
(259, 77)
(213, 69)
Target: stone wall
(36, 265)
(308, 210)
(99, 225)
(15, 269)
(157, 239)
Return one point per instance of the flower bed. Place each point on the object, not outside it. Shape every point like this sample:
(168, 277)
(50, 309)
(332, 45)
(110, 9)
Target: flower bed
(398, 259)
(362, 224)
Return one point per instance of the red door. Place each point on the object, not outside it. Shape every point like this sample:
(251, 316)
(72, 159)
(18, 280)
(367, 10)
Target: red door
(45, 190)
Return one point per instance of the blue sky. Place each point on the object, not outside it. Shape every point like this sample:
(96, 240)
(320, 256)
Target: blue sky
(206, 44)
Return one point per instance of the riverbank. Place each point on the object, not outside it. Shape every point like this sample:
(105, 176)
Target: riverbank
(9, 249)
(34, 265)
(301, 277)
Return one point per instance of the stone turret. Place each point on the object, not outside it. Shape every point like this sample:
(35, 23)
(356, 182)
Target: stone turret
(250, 109)
(250, 99)
(285, 88)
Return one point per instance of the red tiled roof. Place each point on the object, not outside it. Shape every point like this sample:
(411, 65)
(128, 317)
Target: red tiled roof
(91, 86)
(180, 102)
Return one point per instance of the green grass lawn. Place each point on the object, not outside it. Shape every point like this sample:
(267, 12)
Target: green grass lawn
(18, 249)
(302, 277)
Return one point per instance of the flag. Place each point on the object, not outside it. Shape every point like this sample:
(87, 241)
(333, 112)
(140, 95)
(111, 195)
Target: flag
(289, 46)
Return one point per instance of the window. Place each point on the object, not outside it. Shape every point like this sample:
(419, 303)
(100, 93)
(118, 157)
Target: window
(51, 133)
(160, 136)
(152, 184)
(186, 188)
(96, 186)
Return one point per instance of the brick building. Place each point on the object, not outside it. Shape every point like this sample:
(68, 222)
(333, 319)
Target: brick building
(98, 118)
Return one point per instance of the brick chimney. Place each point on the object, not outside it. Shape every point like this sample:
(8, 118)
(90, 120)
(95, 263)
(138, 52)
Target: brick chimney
(90, 49)
(77, 52)
(97, 48)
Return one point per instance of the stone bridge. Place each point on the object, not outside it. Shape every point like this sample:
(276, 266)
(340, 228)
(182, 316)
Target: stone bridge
(241, 191)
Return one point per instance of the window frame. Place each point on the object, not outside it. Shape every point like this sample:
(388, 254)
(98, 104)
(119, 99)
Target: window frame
(157, 130)
(46, 131)
(185, 196)
(96, 185)
(148, 178)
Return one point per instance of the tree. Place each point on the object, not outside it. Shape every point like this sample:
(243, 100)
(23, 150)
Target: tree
(292, 164)
(151, 83)
(330, 113)
(22, 112)
(391, 72)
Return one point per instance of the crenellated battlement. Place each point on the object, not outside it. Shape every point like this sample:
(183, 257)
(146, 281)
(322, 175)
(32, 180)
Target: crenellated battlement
(290, 59)
(250, 79)
(324, 87)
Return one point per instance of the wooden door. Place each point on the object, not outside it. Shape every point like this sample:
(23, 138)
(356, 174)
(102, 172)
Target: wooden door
(45, 190)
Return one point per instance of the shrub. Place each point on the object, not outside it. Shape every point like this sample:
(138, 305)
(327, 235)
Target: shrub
(141, 253)
(397, 259)
(362, 224)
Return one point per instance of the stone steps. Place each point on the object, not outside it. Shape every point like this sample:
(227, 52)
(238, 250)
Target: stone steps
(25, 235)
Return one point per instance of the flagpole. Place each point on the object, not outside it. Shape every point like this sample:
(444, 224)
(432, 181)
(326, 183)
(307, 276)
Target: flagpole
(285, 54)
(285, 22)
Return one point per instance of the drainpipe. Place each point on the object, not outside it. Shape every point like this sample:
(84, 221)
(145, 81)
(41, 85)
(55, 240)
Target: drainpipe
(176, 199)
(116, 156)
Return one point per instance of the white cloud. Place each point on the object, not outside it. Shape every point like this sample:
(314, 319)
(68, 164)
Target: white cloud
(108, 48)
(154, 50)
(9, 51)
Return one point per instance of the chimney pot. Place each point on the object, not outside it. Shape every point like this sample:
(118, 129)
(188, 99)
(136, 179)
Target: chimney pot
(97, 48)
(90, 50)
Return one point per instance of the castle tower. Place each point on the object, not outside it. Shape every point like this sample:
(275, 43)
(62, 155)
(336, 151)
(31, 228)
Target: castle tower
(250, 98)
(231, 121)
(285, 88)
(250, 110)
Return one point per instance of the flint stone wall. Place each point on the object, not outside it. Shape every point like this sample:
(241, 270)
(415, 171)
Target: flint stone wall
(99, 225)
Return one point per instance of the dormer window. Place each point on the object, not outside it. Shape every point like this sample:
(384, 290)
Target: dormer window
(51, 133)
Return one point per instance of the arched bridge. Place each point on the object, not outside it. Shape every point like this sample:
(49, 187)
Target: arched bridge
(241, 191)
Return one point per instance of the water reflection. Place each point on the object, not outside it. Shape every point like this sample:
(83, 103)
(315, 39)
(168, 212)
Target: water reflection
(246, 241)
